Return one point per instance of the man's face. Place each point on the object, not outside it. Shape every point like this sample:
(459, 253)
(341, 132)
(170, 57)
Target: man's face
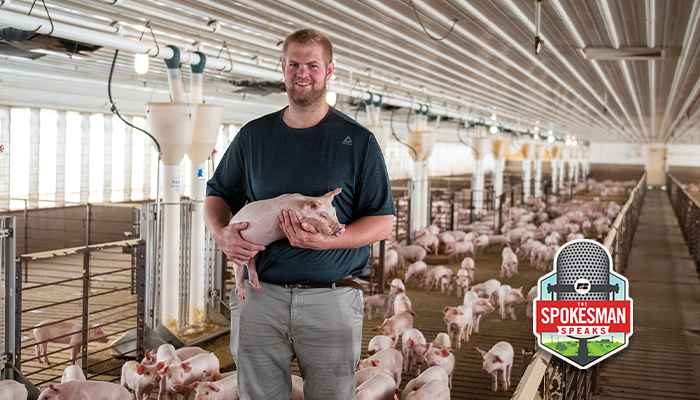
(305, 74)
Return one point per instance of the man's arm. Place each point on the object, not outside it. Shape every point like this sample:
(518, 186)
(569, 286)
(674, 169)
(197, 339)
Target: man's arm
(217, 215)
(362, 232)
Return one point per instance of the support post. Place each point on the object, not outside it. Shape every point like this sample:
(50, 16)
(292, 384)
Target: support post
(380, 269)
(86, 310)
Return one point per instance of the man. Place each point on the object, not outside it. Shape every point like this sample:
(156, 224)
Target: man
(305, 309)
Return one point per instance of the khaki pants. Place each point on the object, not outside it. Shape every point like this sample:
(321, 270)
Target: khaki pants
(321, 328)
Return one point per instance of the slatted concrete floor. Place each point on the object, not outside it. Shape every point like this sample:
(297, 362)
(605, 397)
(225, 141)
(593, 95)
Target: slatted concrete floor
(662, 360)
(468, 381)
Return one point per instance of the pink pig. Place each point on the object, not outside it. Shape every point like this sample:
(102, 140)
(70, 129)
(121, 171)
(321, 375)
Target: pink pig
(11, 390)
(61, 333)
(177, 377)
(459, 320)
(442, 358)
(223, 389)
(378, 387)
(76, 390)
(433, 390)
(140, 378)
(263, 224)
(396, 326)
(508, 298)
(499, 358)
(390, 359)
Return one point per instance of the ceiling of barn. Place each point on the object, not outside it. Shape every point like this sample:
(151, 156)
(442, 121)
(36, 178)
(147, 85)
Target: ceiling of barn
(609, 70)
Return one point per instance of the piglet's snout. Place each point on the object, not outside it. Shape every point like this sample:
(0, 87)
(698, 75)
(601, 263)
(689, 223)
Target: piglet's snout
(340, 231)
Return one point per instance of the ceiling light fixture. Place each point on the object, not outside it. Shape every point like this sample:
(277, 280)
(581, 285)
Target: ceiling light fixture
(550, 139)
(141, 63)
(493, 129)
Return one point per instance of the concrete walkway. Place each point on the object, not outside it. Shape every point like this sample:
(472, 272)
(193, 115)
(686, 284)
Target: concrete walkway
(662, 360)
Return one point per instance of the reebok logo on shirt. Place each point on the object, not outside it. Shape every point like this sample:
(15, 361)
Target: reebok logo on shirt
(347, 141)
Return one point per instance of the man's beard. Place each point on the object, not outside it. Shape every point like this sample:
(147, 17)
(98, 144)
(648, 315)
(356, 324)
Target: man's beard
(304, 99)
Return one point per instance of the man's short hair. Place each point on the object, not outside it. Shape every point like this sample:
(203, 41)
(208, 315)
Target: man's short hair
(307, 37)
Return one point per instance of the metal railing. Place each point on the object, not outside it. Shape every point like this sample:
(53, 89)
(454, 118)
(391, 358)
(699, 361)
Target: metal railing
(687, 210)
(573, 383)
(84, 285)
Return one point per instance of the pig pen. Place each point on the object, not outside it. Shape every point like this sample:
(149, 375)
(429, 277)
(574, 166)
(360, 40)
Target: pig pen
(97, 282)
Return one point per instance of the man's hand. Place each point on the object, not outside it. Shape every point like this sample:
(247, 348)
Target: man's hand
(234, 246)
(300, 234)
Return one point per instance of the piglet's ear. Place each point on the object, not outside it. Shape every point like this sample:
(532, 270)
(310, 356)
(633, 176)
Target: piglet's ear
(312, 205)
(55, 389)
(332, 194)
(193, 385)
(375, 363)
(446, 352)
(186, 366)
(214, 387)
(160, 366)
(410, 343)
(483, 353)
(215, 376)
(498, 359)
(445, 310)
(139, 369)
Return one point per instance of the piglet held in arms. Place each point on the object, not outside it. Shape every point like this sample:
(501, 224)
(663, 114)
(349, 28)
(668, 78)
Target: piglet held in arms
(263, 224)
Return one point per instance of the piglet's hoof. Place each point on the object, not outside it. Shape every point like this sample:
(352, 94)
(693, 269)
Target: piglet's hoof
(240, 293)
(257, 287)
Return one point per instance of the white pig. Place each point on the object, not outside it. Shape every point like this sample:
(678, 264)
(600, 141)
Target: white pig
(508, 298)
(488, 289)
(222, 389)
(297, 388)
(379, 342)
(263, 224)
(167, 355)
(531, 296)
(73, 373)
(375, 302)
(479, 307)
(140, 378)
(430, 374)
(459, 320)
(364, 374)
(509, 266)
(468, 265)
(52, 333)
(413, 252)
(413, 349)
(395, 326)
(434, 277)
(433, 390)
(76, 390)
(403, 304)
(390, 359)
(429, 242)
(177, 377)
(442, 341)
(462, 280)
(442, 358)
(416, 274)
(499, 358)
(11, 390)
(185, 353)
(378, 387)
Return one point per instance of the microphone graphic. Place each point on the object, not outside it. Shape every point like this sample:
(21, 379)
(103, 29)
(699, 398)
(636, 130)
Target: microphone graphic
(583, 273)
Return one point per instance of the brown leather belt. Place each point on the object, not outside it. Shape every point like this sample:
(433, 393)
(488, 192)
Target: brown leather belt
(347, 281)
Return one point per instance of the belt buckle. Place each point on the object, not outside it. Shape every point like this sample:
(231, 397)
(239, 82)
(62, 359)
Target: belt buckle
(294, 286)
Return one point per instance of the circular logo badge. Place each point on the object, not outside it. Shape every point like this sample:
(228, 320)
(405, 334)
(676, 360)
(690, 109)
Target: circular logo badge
(582, 286)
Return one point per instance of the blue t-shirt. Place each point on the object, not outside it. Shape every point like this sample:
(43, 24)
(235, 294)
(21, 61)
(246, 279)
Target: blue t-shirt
(267, 158)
